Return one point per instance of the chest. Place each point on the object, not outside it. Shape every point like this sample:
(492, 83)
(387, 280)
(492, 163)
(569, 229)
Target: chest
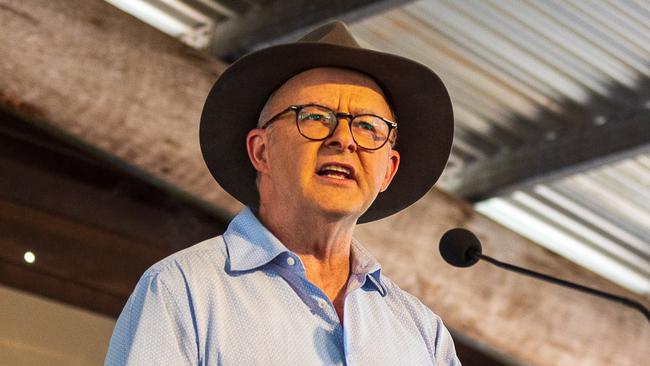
(261, 318)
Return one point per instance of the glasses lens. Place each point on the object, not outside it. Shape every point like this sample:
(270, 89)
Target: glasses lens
(315, 122)
(369, 131)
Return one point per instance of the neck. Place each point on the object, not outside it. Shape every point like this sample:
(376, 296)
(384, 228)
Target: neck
(322, 243)
(317, 238)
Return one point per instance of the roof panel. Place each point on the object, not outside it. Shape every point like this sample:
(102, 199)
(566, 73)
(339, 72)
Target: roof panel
(509, 65)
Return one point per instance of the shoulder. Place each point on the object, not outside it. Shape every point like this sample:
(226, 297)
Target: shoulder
(188, 263)
(157, 324)
(410, 303)
(429, 324)
(171, 284)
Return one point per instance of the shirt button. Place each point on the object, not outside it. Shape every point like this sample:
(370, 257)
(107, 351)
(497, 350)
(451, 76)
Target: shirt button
(291, 261)
(322, 304)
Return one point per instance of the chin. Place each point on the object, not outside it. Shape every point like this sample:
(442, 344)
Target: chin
(341, 208)
(337, 203)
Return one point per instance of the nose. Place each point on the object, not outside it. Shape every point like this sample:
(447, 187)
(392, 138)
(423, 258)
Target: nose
(341, 139)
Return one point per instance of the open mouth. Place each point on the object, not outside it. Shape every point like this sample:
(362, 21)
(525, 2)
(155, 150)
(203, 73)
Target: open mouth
(335, 171)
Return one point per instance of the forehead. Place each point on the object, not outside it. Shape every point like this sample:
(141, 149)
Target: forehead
(331, 86)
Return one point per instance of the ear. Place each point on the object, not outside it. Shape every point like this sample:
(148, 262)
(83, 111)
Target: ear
(391, 169)
(256, 144)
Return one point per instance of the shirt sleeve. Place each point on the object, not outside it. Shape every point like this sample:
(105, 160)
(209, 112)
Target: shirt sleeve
(152, 330)
(445, 354)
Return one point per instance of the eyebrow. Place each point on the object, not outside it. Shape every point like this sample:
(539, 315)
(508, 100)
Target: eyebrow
(363, 111)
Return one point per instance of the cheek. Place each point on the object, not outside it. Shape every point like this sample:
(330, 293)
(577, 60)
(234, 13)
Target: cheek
(294, 164)
(381, 175)
(377, 170)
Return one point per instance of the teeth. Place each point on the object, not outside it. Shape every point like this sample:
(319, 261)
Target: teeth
(334, 176)
(337, 168)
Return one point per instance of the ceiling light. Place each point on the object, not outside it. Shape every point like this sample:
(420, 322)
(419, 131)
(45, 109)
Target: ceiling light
(29, 257)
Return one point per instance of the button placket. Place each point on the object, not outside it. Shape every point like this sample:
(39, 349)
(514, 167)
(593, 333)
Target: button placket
(326, 310)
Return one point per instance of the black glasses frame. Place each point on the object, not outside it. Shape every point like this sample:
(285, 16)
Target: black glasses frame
(297, 108)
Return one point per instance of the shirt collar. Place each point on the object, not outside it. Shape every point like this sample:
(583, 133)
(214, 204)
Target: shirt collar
(366, 266)
(250, 245)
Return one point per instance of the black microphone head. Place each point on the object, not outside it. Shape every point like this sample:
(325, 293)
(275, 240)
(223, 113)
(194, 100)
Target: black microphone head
(457, 247)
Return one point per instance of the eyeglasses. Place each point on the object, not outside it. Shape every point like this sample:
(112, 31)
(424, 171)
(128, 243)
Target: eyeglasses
(318, 123)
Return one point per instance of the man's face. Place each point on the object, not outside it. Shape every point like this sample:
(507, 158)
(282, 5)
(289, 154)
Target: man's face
(303, 174)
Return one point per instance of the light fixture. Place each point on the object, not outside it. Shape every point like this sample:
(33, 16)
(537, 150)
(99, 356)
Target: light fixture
(29, 257)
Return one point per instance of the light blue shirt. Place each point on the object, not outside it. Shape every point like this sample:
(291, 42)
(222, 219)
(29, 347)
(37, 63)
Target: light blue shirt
(243, 299)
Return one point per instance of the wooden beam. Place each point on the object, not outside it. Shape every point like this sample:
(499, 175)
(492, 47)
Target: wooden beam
(76, 264)
(284, 21)
(116, 86)
(529, 321)
(93, 227)
(60, 289)
(101, 259)
(43, 172)
(574, 151)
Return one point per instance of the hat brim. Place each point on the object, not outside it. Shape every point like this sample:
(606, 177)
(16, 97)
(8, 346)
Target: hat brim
(419, 98)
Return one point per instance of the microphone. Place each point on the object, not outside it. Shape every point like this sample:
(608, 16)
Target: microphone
(461, 248)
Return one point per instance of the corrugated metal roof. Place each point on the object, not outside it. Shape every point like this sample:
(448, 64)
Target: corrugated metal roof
(598, 218)
(507, 59)
(508, 62)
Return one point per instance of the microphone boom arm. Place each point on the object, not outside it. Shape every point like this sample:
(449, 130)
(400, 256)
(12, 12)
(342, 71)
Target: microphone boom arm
(625, 301)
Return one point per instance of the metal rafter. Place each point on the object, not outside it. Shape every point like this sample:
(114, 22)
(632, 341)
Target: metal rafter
(557, 156)
(285, 20)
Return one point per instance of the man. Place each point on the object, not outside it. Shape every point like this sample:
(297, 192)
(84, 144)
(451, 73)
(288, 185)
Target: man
(305, 135)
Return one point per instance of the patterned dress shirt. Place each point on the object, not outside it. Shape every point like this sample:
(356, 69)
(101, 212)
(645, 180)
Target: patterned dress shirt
(243, 299)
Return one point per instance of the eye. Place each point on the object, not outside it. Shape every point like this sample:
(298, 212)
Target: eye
(315, 114)
(316, 117)
(369, 129)
(365, 125)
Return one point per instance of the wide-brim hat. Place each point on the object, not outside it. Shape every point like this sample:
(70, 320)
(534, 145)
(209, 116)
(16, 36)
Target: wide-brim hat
(419, 99)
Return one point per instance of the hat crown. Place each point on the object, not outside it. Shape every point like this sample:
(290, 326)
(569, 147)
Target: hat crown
(234, 103)
(336, 33)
